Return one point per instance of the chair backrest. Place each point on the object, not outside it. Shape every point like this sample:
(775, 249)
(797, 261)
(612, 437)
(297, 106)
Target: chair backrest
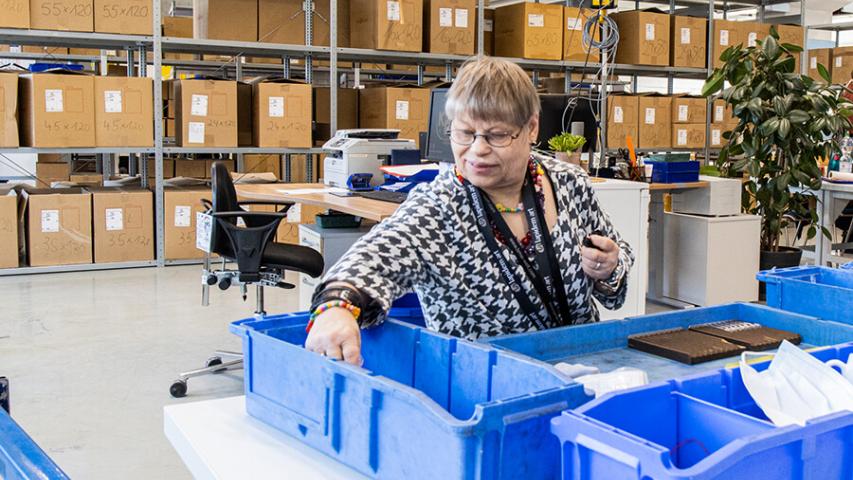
(224, 200)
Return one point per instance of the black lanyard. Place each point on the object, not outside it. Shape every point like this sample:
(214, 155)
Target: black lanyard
(543, 272)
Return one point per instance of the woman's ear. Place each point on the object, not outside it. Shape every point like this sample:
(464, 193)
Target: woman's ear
(533, 125)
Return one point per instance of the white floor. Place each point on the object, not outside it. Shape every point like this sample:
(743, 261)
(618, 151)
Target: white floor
(90, 358)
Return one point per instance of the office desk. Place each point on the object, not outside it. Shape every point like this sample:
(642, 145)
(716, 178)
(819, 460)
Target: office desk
(828, 194)
(217, 439)
(376, 210)
(667, 187)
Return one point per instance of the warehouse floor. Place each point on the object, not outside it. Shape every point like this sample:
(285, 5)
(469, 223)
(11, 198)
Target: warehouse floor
(90, 357)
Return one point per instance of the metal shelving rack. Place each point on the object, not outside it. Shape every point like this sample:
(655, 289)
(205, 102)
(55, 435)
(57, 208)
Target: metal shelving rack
(137, 48)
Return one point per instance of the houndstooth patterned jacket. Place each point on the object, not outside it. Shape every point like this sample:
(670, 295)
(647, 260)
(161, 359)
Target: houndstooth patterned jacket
(432, 245)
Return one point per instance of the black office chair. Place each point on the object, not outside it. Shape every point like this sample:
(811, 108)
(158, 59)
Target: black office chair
(260, 260)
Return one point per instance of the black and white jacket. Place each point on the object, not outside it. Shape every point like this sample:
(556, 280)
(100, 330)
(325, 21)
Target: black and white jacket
(432, 245)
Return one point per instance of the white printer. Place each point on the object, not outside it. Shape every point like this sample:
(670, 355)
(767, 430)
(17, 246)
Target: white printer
(360, 151)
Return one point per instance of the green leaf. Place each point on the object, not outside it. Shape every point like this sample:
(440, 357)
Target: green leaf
(713, 84)
(792, 48)
(798, 116)
(784, 128)
(769, 127)
(771, 47)
(824, 74)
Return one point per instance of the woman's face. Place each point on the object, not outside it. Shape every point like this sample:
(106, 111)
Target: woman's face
(489, 167)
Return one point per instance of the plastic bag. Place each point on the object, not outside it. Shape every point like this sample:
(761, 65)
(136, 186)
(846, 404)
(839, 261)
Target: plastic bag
(619, 379)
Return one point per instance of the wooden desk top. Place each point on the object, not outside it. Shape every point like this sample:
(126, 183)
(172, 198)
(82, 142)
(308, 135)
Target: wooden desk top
(678, 186)
(376, 210)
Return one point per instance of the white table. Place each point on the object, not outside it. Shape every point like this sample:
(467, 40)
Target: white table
(829, 193)
(217, 439)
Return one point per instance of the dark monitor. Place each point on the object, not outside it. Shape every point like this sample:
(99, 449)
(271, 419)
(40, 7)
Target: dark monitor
(560, 111)
(437, 141)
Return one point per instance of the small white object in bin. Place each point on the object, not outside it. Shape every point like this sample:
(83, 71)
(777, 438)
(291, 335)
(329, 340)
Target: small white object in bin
(112, 101)
(620, 379)
(49, 221)
(576, 369)
(203, 231)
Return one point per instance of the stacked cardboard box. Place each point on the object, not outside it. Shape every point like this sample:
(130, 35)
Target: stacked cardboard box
(124, 112)
(842, 65)
(283, 21)
(282, 114)
(529, 30)
(449, 26)
(209, 113)
(226, 20)
(347, 112)
(402, 108)
(387, 24)
(722, 120)
(688, 42)
(753, 32)
(191, 168)
(178, 27)
(58, 226)
(726, 34)
(573, 48)
(181, 206)
(123, 221)
(794, 35)
(819, 56)
(68, 15)
(57, 110)
(128, 17)
(655, 121)
(644, 38)
(8, 228)
(8, 109)
(622, 120)
(168, 169)
(689, 115)
(261, 163)
(16, 14)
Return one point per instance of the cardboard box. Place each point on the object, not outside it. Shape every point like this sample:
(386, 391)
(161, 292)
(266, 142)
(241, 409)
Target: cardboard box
(406, 109)
(282, 114)
(687, 109)
(208, 166)
(842, 65)
(58, 226)
(16, 14)
(57, 110)
(8, 228)
(347, 112)
(283, 21)
(449, 26)
(207, 113)
(49, 158)
(128, 17)
(726, 34)
(655, 121)
(123, 224)
(529, 30)
(689, 37)
(488, 32)
(622, 120)
(123, 112)
(181, 206)
(717, 140)
(387, 24)
(644, 38)
(47, 173)
(573, 49)
(42, 50)
(8, 109)
(168, 169)
(723, 114)
(191, 168)
(753, 32)
(795, 35)
(87, 179)
(688, 135)
(261, 163)
(179, 27)
(66, 15)
(226, 19)
(819, 56)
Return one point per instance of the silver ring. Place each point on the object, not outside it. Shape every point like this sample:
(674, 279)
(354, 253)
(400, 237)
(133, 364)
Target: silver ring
(597, 266)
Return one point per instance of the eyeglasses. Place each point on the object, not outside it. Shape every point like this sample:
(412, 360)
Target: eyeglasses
(495, 139)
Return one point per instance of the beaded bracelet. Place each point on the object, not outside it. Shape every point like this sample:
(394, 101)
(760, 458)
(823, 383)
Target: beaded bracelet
(355, 311)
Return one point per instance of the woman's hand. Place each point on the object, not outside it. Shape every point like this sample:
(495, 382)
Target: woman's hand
(337, 335)
(599, 263)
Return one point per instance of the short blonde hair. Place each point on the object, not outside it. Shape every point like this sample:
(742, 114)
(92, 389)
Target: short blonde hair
(491, 89)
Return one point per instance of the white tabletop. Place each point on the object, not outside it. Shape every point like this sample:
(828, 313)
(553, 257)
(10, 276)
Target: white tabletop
(217, 439)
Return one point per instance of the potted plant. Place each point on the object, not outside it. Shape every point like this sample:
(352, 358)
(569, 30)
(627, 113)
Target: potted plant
(786, 122)
(567, 147)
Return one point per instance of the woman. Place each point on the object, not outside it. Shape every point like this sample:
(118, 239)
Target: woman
(493, 247)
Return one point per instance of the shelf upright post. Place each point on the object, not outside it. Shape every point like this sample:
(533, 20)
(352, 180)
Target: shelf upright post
(420, 74)
(285, 61)
(132, 159)
(481, 15)
(709, 104)
(602, 107)
(159, 204)
(238, 73)
(333, 67)
(804, 55)
(308, 7)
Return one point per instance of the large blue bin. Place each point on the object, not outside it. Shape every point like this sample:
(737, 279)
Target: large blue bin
(702, 428)
(819, 291)
(20, 457)
(424, 405)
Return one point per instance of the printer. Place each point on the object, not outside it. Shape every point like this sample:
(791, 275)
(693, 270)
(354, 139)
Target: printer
(361, 150)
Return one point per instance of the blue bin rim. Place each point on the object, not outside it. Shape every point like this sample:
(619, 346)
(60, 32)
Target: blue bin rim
(23, 454)
(549, 399)
(775, 274)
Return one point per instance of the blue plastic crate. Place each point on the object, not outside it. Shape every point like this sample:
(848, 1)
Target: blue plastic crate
(21, 458)
(819, 291)
(424, 405)
(702, 428)
(675, 172)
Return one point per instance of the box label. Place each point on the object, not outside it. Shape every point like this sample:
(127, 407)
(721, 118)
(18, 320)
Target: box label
(813, 63)
(198, 105)
(535, 20)
(715, 137)
(276, 107)
(724, 38)
(196, 132)
(650, 32)
(112, 101)
(393, 11)
(49, 221)
(685, 36)
(461, 19)
(182, 216)
(682, 136)
(294, 213)
(402, 110)
(203, 231)
(114, 218)
(839, 62)
(445, 17)
(752, 39)
(650, 116)
(719, 111)
(683, 110)
(488, 25)
(618, 115)
(573, 23)
(15, 48)
(53, 101)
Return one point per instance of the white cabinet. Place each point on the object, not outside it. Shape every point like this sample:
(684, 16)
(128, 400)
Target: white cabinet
(710, 260)
(722, 197)
(332, 243)
(627, 205)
